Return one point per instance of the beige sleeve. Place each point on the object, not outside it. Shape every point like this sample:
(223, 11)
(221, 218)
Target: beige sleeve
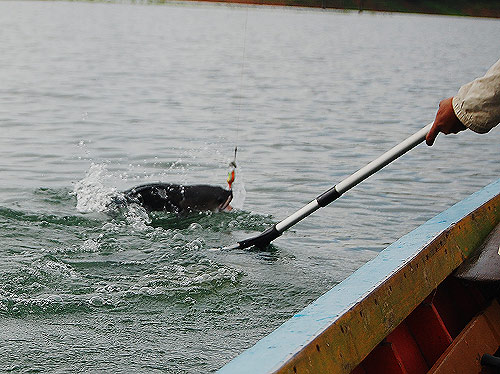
(477, 104)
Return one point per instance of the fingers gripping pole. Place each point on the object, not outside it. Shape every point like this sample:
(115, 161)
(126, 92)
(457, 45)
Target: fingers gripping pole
(336, 191)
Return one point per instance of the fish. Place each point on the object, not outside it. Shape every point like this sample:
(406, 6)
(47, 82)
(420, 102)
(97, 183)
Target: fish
(180, 199)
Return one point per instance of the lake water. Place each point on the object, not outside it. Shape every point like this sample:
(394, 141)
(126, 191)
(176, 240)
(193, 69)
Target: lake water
(97, 98)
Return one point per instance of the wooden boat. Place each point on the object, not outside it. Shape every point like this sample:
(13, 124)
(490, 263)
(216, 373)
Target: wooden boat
(407, 311)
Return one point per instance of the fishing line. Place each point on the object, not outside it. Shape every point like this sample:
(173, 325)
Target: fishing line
(240, 94)
(232, 172)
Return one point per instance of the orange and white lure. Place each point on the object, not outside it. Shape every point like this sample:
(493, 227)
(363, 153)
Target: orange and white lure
(230, 178)
(232, 173)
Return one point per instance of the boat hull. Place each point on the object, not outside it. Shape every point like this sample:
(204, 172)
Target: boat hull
(340, 329)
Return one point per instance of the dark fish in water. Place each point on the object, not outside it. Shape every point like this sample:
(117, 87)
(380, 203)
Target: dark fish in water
(180, 199)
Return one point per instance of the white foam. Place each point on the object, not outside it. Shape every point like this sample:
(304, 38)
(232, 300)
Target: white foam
(91, 193)
(239, 192)
(137, 217)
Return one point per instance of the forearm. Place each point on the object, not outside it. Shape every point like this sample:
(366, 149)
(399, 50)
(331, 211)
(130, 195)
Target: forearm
(477, 104)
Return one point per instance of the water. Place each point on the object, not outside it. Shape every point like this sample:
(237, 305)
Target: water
(97, 98)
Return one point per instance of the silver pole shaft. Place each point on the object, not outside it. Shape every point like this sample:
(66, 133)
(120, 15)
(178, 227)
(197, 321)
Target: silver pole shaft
(383, 160)
(358, 176)
(299, 215)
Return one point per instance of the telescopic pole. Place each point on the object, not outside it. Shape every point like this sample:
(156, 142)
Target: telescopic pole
(335, 192)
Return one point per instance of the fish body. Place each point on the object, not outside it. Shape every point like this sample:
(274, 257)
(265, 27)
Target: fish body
(180, 199)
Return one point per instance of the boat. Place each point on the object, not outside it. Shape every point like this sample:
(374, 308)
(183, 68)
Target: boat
(428, 303)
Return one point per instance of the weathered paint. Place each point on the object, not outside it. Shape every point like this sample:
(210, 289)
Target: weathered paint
(335, 332)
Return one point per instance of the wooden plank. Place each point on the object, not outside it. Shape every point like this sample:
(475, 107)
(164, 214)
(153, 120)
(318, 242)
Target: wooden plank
(359, 370)
(406, 347)
(457, 302)
(429, 331)
(484, 265)
(384, 360)
(481, 335)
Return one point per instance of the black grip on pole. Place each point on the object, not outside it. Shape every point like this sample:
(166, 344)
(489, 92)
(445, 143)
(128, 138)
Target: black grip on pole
(491, 361)
(327, 197)
(262, 240)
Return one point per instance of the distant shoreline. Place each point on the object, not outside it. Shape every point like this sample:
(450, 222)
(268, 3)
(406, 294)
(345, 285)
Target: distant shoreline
(478, 8)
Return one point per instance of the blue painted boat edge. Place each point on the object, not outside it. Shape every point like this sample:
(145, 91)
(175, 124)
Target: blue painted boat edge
(268, 354)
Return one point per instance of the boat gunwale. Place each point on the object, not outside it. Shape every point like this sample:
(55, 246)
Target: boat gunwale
(324, 336)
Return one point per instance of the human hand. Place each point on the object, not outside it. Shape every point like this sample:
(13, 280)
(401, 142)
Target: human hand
(446, 122)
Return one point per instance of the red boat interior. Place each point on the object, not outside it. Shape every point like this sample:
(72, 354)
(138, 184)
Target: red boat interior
(456, 329)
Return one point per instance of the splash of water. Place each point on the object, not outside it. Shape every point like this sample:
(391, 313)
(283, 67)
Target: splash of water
(91, 193)
(239, 191)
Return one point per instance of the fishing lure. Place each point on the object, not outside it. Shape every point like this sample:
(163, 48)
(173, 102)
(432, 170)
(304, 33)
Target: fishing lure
(232, 172)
